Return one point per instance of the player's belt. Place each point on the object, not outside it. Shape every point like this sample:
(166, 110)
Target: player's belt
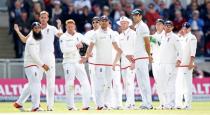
(141, 58)
(102, 64)
(30, 66)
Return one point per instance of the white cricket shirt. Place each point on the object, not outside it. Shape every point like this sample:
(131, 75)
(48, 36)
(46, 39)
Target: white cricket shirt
(68, 47)
(32, 53)
(142, 31)
(189, 45)
(170, 49)
(103, 44)
(127, 44)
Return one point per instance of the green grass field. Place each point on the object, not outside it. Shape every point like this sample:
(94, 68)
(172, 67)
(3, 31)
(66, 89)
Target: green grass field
(198, 108)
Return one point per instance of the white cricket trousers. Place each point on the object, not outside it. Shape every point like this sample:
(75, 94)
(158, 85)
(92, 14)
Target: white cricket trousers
(103, 85)
(34, 84)
(72, 70)
(128, 76)
(117, 88)
(184, 87)
(50, 77)
(156, 72)
(142, 75)
(168, 73)
(91, 68)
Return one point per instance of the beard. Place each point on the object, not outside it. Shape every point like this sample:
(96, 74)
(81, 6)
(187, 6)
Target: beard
(37, 36)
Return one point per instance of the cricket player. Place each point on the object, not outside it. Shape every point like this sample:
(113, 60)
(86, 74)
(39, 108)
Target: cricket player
(170, 58)
(91, 60)
(142, 58)
(155, 45)
(127, 44)
(103, 40)
(70, 42)
(33, 66)
(184, 77)
(47, 55)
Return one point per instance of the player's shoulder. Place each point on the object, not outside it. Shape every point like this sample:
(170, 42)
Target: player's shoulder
(89, 32)
(78, 34)
(175, 36)
(192, 36)
(31, 40)
(143, 24)
(132, 31)
(97, 33)
(51, 27)
(115, 33)
(63, 36)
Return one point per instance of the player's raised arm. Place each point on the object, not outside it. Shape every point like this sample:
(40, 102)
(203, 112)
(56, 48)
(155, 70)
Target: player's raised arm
(59, 27)
(21, 36)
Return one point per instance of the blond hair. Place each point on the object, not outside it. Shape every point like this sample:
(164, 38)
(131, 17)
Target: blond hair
(44, 12)
(70, 21)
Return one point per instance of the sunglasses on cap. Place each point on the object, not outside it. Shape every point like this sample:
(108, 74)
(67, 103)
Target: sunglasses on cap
(104, 20)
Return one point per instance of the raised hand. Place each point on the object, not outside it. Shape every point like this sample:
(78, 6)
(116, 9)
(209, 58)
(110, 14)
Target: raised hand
(59, 24)
(16, 28)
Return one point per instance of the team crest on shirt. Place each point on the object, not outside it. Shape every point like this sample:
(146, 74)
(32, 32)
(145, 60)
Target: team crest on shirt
(168, 39)
(48, 31)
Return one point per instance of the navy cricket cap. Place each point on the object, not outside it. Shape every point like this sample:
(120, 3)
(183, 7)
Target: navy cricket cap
(35, 24)
(96, 18)
(168, 22)
(137, 11)
(104, 18)
(186, 25)
(160, 21)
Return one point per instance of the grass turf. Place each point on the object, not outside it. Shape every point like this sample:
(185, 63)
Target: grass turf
(198, 108)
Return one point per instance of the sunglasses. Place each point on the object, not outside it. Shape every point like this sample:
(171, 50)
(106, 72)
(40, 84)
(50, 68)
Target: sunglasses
(104, 20)
(168, 26)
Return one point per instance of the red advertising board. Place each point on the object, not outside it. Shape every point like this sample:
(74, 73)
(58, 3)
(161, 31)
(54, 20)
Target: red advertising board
(13, 87)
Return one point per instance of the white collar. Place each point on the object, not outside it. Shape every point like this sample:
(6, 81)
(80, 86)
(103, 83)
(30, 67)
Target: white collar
(46, 27)
(126, 31)
(68, 34)
(167, 34)
(189, 33)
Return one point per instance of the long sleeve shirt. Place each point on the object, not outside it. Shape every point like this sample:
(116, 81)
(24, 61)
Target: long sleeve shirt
(189, 45)
(32, 53)
(68, 47)
(127, 44)
(170, 49)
